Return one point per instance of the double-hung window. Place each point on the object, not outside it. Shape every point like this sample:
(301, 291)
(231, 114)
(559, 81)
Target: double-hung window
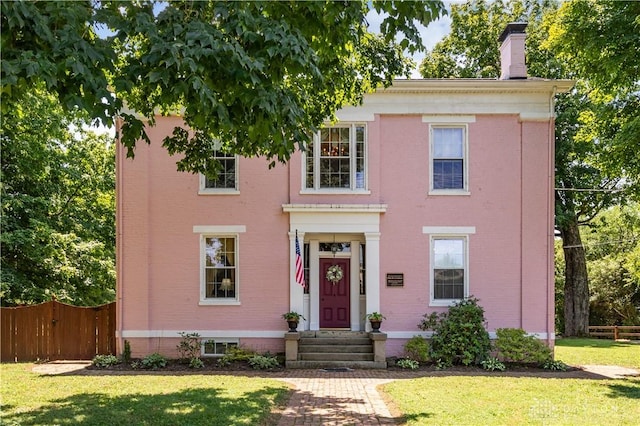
(449, 159)
(219, 281)
(448, 263)
(226, 180)
(336, 159)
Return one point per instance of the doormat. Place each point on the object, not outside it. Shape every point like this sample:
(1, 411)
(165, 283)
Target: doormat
(336, 370)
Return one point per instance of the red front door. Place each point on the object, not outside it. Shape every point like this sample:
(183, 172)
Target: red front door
(334, 298)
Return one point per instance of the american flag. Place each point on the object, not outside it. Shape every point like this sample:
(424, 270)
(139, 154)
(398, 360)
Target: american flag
(299, 268)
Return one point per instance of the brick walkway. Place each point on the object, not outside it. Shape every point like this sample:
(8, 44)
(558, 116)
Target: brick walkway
(330, 398)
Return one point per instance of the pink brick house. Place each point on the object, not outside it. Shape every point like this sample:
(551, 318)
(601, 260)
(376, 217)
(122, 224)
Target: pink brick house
(429, 192)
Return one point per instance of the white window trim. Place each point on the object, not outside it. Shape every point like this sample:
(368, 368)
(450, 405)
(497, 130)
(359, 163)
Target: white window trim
(205, 232)
(465, 160)
(215, 340)
(436, 236)
(220, 191)
(352, 164)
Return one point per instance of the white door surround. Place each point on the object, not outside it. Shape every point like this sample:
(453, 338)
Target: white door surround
(354, 223)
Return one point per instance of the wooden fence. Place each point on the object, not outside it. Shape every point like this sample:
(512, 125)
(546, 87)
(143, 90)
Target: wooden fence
(54, 331)
(615, 331)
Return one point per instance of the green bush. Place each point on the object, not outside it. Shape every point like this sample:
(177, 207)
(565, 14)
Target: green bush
(459, 335)
(189, 349)
(408, 363)
(555, 365)
(153, 361)
(104, 361)
(493, 364)
(263, 362)
(417, 349)
(514, 345)
(126, 353)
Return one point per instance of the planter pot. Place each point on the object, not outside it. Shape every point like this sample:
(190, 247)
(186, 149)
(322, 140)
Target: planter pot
(293, 325)
(375, 326)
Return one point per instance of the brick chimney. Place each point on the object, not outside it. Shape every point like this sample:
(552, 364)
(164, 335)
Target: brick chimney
(512, 52)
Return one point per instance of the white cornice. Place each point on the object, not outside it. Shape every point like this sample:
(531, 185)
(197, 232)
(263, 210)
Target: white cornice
(477, 85)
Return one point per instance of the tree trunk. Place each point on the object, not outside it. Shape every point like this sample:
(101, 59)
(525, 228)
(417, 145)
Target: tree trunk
(576, 284)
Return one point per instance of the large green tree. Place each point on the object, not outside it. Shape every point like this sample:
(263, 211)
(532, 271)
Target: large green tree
(58, 206)
(255, 75)
(588, 123)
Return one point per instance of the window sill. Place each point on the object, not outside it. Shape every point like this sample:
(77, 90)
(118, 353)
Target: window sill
(209, 302)
(449, 192)
(218, 192)
(444, 302)
(336, 191)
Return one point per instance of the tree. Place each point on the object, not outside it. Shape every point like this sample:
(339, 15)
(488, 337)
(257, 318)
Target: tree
(587, 179)
(255, 76)
(58, 206)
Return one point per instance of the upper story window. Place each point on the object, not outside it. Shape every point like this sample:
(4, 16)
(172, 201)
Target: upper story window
(336, 159)
(226, 182)
(449, 164)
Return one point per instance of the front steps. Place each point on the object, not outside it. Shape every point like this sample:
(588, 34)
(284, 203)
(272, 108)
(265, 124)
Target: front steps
(335, 349)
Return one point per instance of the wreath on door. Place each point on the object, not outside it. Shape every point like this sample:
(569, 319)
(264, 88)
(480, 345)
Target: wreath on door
(334, 274)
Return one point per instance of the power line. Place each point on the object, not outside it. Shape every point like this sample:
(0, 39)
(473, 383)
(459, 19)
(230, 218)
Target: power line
(588, 190)
(604, 243)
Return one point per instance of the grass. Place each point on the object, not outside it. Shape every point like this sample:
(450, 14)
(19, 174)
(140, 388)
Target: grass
(499, 400)
(575, 351)
(493, 400)
(140, 399)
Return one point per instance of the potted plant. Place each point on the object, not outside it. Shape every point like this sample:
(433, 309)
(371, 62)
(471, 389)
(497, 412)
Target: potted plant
(375, 318)
(292, 318)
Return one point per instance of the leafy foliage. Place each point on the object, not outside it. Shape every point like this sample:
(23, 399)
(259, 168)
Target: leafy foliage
(153, 361)
(126, 352)
(263, 362)
(493, 364)
(459, 335)
(257, 76)
(105, 361)
(514, 345)
(58, 206)
(407, 363)
(417, 348)
(189, 349)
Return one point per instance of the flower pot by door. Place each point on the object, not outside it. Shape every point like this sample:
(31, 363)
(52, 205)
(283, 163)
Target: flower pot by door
(293, 325)
(375, 325)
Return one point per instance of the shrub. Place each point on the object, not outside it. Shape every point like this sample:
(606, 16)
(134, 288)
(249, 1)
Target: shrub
(196, 363)
(514, 345)
(408, 363)
(126, 353)
(263, 362)
(189, 349)
(459, 335)
(105, 361)
(493, 364)
(555, 365)
(153, 361)
(417, 349)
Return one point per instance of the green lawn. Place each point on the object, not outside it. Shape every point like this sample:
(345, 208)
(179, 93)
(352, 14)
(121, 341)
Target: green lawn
(492, 400)
(141, 399)
(598, 351)
(499, 400)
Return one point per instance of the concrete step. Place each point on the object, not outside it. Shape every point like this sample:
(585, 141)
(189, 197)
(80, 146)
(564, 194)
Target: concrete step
(325, 356)
(368, 348)
(337, 341)
(337, 364)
